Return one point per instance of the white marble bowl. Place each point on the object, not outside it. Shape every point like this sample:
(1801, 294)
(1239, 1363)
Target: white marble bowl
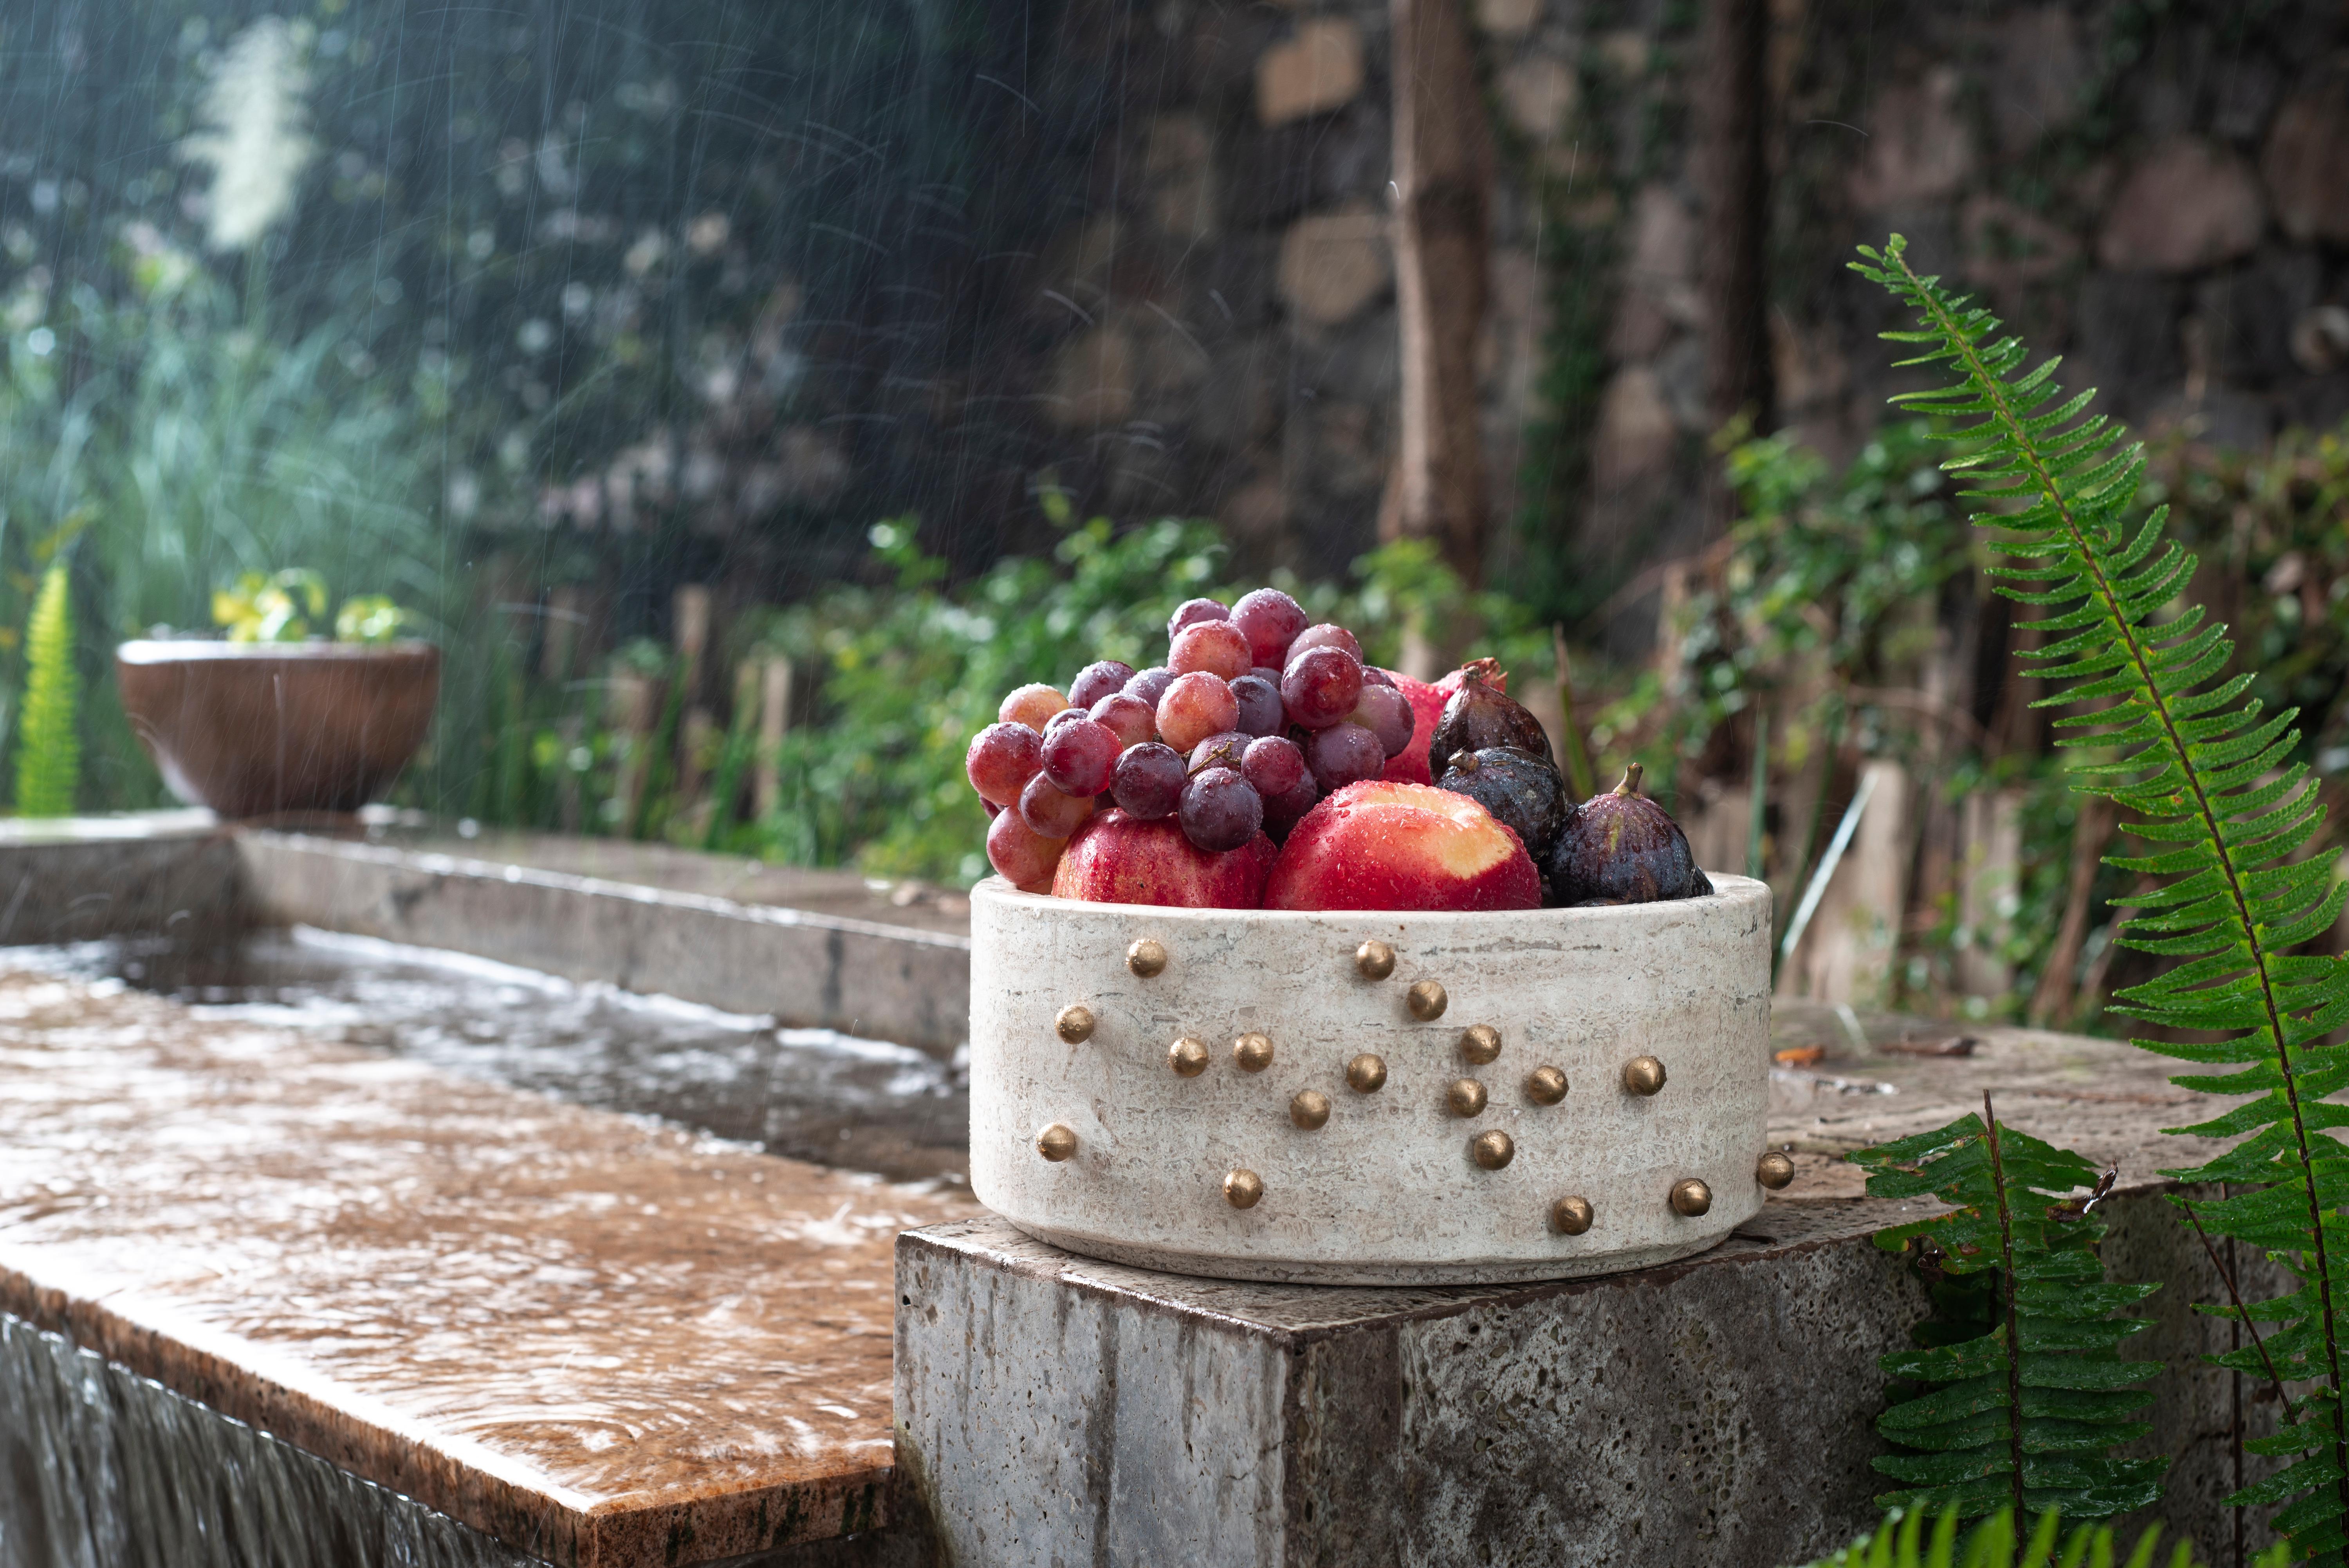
(1389, 1188)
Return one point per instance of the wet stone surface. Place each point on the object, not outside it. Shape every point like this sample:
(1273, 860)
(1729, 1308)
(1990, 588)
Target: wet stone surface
(805, 1093)
(601, 1338)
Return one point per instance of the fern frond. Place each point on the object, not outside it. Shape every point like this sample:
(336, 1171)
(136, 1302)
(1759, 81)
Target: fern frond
(1901, 1542)
(2225, 813)
(2020, 1416)
(48, 738)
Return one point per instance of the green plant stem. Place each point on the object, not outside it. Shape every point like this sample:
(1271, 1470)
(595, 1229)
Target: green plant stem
(2228, 1279)
(1573, 752)
(2001, 408)
(2014, 1325)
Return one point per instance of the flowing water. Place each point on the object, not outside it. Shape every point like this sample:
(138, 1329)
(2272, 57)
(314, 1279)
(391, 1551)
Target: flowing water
(806, 1093)
(102, 1468)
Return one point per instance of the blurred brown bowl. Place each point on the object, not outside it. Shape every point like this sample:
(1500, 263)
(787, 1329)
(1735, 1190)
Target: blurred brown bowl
(256, 729)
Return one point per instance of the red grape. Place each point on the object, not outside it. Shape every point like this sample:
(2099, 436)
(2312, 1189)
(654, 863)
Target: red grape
(1267, 672)
(1272, 620)
(1150, 684)
(1320, 687)
(1002, 758)
(1198, 705)
(1259, 701)
(1284, 811)
(1273, 765)
(1097, 680)
(1025, 856)
(1326, 634)
(1386, 714)
(1079, 757)
(1150, 780)
(1219, 811)
(1373, 676)
(1131, 718)
(1032, 705)
(1191, 612)
(1343, 755)
(1222, 750)
(1065, 716)
(1215, 645)
(1050, 813)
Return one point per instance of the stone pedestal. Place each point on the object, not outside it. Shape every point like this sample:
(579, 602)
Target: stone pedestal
(1714, 1413)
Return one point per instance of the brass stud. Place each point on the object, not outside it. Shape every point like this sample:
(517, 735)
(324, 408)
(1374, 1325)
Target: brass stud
(1570, 1216)
(1773, 1170)
(1546, 1085)
(1075, 1024)
(1309, 1108)
(1189, 1058)
(1492, 1149)
(1480, 1043)
(1252, 1053)
(1375, 960)
(1146, 958)
(1056, 1143)
(1242, 1188)
(1466, 1098)
(1643, 1075)
(1366, 1074)
(1427, 1001)
(1690, 1196)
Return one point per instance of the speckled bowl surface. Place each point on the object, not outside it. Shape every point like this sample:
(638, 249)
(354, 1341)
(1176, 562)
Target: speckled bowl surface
(1389, 1188)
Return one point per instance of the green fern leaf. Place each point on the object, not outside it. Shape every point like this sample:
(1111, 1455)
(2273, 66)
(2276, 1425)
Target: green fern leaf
(48, 739)
(2227, 816)
(1901, 1542)
(2022, 1415)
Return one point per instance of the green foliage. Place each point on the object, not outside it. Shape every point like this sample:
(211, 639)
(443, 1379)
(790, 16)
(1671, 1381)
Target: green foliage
(282, 606)
(2209, 777)
(1901, 1542)
(1828, 585)
(2025, 1396)
(48, 741)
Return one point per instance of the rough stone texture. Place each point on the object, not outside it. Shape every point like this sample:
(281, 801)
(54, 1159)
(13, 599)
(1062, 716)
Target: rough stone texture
(2186, 206)
(81, 878)
(1319, 68)
(1715, 1413)
(1386, 1191)
(2306, 162)
(835, 972)
(1333, 264)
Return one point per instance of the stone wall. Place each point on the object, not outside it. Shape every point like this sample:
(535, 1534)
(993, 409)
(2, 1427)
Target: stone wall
(2161, 192)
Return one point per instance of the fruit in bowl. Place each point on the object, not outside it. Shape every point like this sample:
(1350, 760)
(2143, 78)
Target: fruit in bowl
(1267, 763)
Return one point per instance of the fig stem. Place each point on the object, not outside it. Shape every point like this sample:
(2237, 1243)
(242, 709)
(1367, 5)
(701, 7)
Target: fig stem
(1631, 784)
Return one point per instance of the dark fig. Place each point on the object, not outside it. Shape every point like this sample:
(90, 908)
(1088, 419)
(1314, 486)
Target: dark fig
(1622, 847)
(1521, 790)
(1481, 715)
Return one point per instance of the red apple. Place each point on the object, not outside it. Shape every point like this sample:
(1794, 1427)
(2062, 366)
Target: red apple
(1120, 859)
(1380, 844)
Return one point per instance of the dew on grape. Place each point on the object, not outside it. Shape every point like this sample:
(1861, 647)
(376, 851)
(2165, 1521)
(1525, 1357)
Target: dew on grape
(1129, 718)
(1270, 619)
(1051, 812)
(1079, 756)
(1320, 687)
(1219, 811)
(1196, 706)
(1344, 755)
(1191, 612)
(1002, 758)
(1149, 780)
(1261, 712)
(1150, 684)
(1215, 646)
(1032, 705)
(1097, 680)
(1273, 765)
(1326, 634)
(1023, 856)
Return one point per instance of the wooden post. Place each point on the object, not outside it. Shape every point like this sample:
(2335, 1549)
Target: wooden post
(1443, 175)
(1733, 160)
(774, 722)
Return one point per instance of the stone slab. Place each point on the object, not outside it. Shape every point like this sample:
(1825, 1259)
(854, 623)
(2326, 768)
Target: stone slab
(1715, 1411)
(78, 879)
(599, 1340)
(879, 979)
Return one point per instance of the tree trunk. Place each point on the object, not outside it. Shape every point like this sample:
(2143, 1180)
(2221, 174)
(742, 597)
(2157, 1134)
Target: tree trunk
(1443, 172)
(1733, 151)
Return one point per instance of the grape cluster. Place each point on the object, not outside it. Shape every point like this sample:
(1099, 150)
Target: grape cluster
(1255, 715)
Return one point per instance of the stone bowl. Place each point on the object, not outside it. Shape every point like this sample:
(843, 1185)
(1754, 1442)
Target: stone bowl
(262, 728)
(1096, 1127)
